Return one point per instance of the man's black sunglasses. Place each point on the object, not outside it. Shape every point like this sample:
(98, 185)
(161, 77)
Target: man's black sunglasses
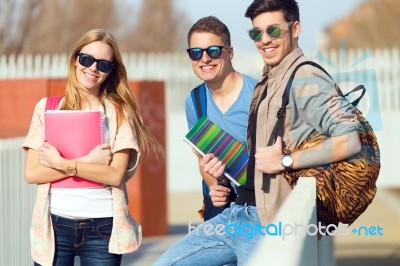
(213, 51)
(102, 65)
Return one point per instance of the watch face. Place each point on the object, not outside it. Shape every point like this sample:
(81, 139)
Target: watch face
(287, 160)
(71, 171)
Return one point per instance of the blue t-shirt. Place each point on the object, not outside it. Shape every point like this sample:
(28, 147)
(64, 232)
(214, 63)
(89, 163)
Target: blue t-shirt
(234, 120)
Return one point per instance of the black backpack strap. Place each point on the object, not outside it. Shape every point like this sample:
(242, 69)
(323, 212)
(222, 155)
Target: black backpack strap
(358, 99)
(285, 96)
(199, 100)
(285, 100)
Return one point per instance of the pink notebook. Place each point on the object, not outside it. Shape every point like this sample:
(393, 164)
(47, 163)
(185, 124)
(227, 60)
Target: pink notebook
(74, 134)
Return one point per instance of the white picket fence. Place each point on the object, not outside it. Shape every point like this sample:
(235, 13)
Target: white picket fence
(377, 69)
(16, 205)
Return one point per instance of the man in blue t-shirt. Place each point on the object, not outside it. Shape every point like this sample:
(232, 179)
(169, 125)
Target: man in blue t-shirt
(227, 93)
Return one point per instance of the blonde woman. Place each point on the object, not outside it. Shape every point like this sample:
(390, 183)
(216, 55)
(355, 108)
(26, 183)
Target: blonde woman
(92, 223)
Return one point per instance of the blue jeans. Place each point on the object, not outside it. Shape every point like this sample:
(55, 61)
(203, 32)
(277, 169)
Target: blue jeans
(229, 237)
(87, 239)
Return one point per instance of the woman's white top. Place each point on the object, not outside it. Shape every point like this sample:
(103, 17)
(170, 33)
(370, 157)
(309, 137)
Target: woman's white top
(80, 203)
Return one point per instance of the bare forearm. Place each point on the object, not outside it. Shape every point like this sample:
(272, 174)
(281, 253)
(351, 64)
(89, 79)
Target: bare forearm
(331, 150)
(43, 172)
(105, 174)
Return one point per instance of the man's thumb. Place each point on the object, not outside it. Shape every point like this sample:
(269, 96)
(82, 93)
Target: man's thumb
(278, 143)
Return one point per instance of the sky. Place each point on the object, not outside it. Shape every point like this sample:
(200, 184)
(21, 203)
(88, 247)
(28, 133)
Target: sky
(314, 16)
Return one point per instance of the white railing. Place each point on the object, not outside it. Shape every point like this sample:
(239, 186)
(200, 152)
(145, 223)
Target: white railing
(376, 69)
(16, 205)
(291, 248)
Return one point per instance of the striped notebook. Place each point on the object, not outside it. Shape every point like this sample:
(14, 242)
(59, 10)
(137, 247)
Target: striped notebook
(207, 137)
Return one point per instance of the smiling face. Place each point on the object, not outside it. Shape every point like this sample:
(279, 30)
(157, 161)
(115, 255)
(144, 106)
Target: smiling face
(274, 50)
(207, 68)
(90, 78)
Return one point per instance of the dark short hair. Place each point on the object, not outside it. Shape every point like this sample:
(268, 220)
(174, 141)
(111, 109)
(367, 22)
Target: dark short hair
(290, 8)
(212, 25)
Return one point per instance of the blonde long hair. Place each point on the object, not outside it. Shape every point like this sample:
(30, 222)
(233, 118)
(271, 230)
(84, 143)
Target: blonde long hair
(115, 88)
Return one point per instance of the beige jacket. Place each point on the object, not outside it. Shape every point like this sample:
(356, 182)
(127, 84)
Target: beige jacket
(126, 234)
(313, 105)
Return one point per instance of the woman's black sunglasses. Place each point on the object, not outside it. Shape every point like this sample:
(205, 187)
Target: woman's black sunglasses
(102, 65)
(213, 51)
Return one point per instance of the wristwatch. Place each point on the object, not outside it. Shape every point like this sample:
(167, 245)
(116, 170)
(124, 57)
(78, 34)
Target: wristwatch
(71, 169)
(287, 162)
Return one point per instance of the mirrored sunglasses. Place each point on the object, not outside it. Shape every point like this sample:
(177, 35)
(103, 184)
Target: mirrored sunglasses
(213, 51)
(274, 31)
(88, 60)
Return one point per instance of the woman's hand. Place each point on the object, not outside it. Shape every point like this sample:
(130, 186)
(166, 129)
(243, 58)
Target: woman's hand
(49, 156)
(99, 155)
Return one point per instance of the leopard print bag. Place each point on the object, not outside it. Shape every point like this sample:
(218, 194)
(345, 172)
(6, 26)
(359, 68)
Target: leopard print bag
(345, 188)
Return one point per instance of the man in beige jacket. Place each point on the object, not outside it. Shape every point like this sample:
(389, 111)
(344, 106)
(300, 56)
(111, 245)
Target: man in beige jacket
(314, 105)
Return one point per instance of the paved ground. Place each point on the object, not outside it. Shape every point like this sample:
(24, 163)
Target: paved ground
(354, 250)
